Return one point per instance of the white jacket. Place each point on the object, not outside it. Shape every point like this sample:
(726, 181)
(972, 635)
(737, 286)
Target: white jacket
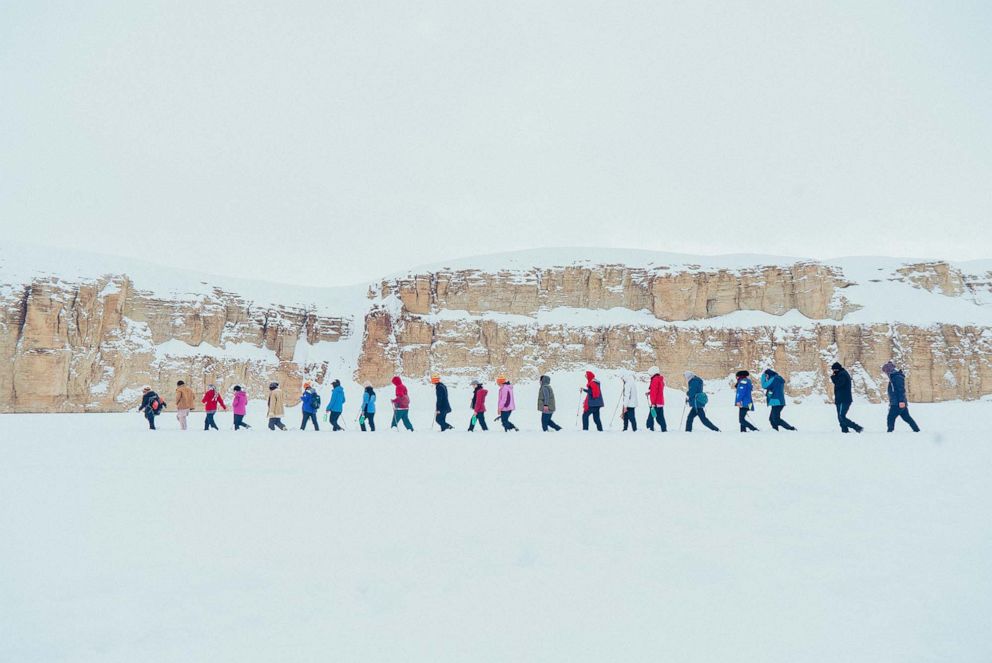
(629, 397)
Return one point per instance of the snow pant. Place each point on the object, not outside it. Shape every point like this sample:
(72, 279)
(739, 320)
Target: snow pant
(479, 418)
(657, 413)
(546, 422)
(209, 422)
(701, 413)
(628, 418)
(504, 418)
(369, 419)
(776, 420)
(896, 412)
(309, 416)
(334, 416)
(742, 418)
(150, 416)
(276, 422)
(442, 421)
(404, 416)
(239, 422)
(181, 416)
(845, 423)
(594, 413)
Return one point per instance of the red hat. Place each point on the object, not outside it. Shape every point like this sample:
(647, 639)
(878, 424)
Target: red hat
(590, 375)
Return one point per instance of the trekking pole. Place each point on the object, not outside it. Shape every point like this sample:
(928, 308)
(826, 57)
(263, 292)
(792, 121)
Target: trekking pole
(684, 404)
(578, 411)
(613, 419)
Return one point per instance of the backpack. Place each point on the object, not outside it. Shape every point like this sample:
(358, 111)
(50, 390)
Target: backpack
(157, 405)
(701, 400)
(315, 400)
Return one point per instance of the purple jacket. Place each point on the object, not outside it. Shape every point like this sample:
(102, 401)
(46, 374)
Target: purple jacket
(506, 400)
(240, 403)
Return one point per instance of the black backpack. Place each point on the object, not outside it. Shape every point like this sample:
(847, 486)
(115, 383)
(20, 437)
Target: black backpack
(315, 400)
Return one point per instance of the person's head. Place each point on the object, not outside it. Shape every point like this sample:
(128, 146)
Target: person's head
(889, 368)
(396, 380)
(180, 383)
(500, 379)
(306, 385)
(273, 386)
(836, 366)
(654, 370)
(237, 387)
(769, 372)
(688, 375)
(476, 385)
(545, 380)
(336, 383)
(145, 389)
(590, 376)
(741, 375)
(212, 387)
(435, 378)
(369, 390)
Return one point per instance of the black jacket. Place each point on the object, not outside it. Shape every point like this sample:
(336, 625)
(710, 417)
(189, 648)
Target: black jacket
(842, 386)
(146, 403)
(441, 392)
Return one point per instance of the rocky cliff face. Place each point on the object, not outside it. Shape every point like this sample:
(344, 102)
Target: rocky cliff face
(89, 343)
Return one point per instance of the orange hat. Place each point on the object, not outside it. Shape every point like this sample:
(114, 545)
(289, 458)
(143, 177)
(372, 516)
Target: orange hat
(306, 385)
(500, 379)
(435, 378)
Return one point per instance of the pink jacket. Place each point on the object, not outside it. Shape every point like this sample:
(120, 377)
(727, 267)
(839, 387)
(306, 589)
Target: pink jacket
(240, 403)
(506, 400)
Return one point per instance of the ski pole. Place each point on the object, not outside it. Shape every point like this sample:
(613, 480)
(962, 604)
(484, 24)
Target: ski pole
(578, 411)
(683, 412)
(615, 410)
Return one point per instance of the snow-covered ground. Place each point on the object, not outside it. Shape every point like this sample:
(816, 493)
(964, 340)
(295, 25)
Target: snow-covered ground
(124, 545)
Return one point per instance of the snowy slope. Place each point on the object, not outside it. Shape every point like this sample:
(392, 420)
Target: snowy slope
(128, 546)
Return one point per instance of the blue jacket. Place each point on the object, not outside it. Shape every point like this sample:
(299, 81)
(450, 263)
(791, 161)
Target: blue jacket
(897, 388)
(368, 403)
(774, 386)
(336, 404)
(695, 388)
(743, 396)
(307, 400)
(441, 392)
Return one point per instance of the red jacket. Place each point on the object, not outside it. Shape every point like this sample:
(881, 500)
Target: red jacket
(656, 391)
(402, 400)
(211, 400)
(480, 401)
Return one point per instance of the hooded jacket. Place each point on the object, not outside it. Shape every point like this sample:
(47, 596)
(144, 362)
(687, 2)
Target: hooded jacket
(842, 386)
(695, 389)
(742, 397)
(239, 405)
(368, 402)
(506, 401)
(897, 388)
(629, 395)
(546, 395)
(336, 404)
(594, 393)
(402, 399)
(308, 401)
(774, 386)
(277, 403)
(479, 400)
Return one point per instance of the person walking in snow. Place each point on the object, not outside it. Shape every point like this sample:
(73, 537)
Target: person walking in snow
(239, 406)
(211, 400)
(309, 402)
(151, 405)
(277, 407)
(368, 409)
(743, 400)
(401, 405)
(656, 400)
(506, 403)
(898, 404)
(593, 402)
(628, 400)
(696, 399)
(774, 386)
(442, 406)
(546, 404)
(478, 407)
(335, 406)
(843, 397)
(184, 403)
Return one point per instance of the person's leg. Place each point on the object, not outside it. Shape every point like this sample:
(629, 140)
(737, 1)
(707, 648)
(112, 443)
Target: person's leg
(633, 418)
(545, 419)
(649, 422)
(335, 418)
(405, 416)
(237, 421)
(659, 415)
(595, 417)
(890, 420)
(182, 415)
(773, 418)
(279, 423)
(396, 419)
(625, 418)
(472, 422)
(841, 419)
(706, 422)
(482, 421)
(150, 416)
(206, 421)
(370, 419)
(742, 418)
(904, 413)
(847, 421)
(690, 419)
(782, 422)
(585, 419)
(272, 423)
(552, 423)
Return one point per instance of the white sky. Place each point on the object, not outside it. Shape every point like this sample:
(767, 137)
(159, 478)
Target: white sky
(332, 142)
